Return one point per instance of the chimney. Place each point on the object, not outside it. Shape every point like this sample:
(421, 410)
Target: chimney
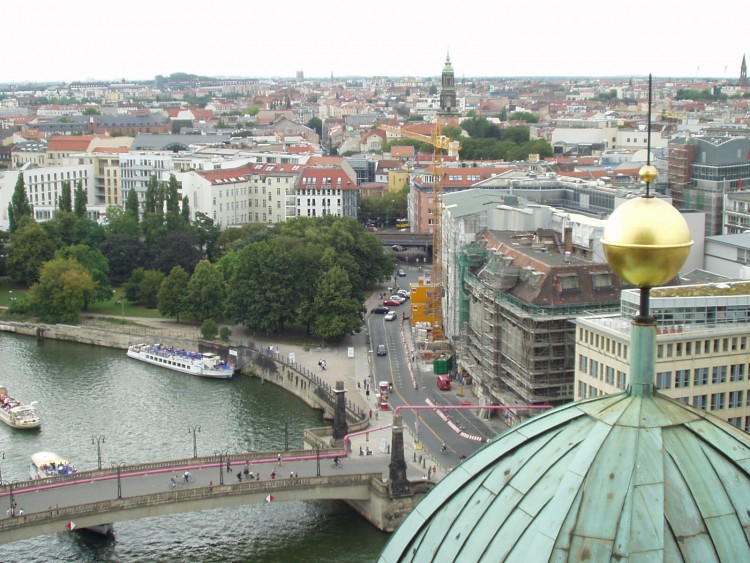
(568, 240)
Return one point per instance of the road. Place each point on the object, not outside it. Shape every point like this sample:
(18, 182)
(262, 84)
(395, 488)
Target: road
(428, 427)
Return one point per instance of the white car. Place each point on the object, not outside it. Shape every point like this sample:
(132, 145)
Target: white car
(403, 293)
(390, 316)
(399, 298)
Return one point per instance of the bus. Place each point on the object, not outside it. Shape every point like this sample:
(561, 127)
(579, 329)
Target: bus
(402, 224)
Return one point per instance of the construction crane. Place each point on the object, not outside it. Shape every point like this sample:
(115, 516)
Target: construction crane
(440, 143)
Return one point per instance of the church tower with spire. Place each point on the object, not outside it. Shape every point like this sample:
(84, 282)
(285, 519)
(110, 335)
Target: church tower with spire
(448, 88)
(743, 72)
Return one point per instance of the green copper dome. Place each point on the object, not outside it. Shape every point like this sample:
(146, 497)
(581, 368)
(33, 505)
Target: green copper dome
(448, 68)
(611, 478)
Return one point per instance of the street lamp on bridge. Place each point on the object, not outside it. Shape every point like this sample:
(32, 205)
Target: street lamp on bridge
(118, 467)
(193, 430)
(2, 453)
(12, 499)
(221, 454)
(98, 440)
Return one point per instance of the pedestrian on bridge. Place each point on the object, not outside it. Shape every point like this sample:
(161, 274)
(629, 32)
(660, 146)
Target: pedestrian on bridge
(229, 466)
(239, 476)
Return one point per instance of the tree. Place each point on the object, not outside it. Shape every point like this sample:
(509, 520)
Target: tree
(153, 216)
(79, 200)
(207, 233)
(336, 312)
(124, 254)
(132, 205)
(121, 221)
(172, 197)
(177, 249)
(64, 288)
(19, 205)
(206, 292)
(96, 265)
(526, 116)
(316, 124)
(209, 329)
(30, 247)
(185, 212)
(65, 202)
(143, 287)
(172, 297)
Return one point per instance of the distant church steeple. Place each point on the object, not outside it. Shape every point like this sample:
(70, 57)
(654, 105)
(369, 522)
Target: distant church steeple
(448, 88)
(743, 72)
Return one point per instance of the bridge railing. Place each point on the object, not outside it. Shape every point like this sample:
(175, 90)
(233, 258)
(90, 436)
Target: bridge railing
(167, 466)
(190, 494)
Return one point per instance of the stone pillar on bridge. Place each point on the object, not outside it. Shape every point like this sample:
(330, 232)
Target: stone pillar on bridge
(340, 426)
(398, 484)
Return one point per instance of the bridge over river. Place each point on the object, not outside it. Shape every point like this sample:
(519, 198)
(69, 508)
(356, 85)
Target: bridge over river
(128, 492)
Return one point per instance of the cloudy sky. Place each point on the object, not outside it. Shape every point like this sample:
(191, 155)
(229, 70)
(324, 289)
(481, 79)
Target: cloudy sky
(70, 40)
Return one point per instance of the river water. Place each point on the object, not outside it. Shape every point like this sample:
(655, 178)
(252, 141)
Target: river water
(145, 413)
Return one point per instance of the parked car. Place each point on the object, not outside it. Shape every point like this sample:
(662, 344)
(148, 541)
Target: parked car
(381, 350)
(397, 297)
(401, 273)
(390, 316)
(380, 310)
(444, 382)
(398, 248)
(391, 302)
(403, 293)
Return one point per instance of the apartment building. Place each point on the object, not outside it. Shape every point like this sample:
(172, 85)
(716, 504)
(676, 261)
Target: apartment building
(702, 353)
(254, 193)
(701, 170)
(326, 190)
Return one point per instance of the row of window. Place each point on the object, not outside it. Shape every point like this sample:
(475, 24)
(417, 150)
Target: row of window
(602, 372)
(712, 402)
(38, 178)
(603, 343)
(665, 379)
(701, 347)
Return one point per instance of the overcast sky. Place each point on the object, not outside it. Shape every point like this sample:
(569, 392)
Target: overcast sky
(68, 40)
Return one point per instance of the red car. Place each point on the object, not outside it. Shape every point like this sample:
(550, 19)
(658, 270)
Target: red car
(391, 302)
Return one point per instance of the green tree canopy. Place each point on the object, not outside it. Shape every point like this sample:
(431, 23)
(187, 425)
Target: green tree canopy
(65, 202)
(95, 263)
(124, 254)
(172, 297)
(316, 124)
(19, 206)
(80, 198)
(143, 287)
(63, 290)
(206, 292)
(336, 312)
(121, 222)
(30, 247)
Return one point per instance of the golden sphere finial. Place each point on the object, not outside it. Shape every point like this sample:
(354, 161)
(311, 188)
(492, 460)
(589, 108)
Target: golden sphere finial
(646, 241)
(647, 173)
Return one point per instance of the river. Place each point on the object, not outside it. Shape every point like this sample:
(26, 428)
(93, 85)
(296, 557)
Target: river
(143, 413)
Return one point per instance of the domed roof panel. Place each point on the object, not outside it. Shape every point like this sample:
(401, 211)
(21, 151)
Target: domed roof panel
(613, 477)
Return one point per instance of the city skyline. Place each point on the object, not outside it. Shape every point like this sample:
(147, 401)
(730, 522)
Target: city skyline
(70, 42)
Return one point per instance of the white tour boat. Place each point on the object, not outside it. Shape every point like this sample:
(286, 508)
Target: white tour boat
(193, 363)
(48, 464)
(17, 415)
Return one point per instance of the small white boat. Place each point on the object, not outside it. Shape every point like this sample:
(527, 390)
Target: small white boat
(48, 464)
(17, 415)
(184, 361)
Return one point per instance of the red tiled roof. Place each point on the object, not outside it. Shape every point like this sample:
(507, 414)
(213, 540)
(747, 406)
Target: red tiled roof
(325, 178)
(73, 143)
(402, 150)
(325, 161)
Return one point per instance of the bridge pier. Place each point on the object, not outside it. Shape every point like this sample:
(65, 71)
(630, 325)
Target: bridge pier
(398, 484)
(340, 425)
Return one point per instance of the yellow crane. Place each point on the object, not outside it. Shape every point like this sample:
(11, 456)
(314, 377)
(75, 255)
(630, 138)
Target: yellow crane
(440, 143)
